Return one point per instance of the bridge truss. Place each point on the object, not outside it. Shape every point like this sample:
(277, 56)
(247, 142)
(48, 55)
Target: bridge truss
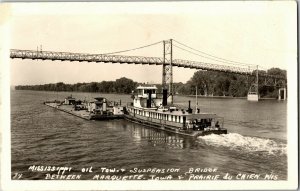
(167, 62)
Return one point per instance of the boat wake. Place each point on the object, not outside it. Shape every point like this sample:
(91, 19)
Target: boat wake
(235, 141)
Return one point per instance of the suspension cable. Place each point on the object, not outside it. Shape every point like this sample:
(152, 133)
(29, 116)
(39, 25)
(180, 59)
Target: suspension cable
(213, 55)
(208, 57)
(134, 48)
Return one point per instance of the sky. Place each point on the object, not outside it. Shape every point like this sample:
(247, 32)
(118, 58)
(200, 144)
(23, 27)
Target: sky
(252, 32)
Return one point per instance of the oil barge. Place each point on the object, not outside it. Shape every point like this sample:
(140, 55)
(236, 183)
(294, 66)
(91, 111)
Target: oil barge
(98, 109)
(149, 109)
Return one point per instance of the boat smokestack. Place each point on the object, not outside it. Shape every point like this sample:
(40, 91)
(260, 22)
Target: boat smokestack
(190, 110)
(149, 100)
(104, 105)
(165, 97)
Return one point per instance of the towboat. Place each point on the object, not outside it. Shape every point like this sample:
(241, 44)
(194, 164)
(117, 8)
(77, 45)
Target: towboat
(149, 108)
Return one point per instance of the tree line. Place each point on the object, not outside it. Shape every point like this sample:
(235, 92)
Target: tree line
(208, 83)
(122, 85)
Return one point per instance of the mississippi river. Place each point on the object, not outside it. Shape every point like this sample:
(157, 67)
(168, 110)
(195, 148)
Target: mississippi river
(42, 136)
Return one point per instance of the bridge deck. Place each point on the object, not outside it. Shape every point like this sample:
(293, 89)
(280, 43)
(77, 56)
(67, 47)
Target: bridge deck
(107, 58)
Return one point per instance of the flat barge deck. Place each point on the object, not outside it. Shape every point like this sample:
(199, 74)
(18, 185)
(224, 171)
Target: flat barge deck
(84, 114)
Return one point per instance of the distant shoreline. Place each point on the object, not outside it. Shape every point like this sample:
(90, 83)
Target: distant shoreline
(225, 97)
(72, 92)
(200, 96)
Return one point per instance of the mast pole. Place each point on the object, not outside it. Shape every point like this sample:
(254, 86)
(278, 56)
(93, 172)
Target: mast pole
(196, 99)
(257, 80)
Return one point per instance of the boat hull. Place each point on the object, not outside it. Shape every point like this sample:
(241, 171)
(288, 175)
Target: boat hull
(164, 127)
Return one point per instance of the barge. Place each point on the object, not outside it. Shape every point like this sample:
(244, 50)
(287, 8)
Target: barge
(98, 109)
(149, 109)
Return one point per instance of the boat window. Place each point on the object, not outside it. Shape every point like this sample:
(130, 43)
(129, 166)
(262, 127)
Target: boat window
(203, 123)
(179, 119)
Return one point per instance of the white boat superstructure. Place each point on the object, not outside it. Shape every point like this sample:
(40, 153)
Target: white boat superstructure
(148, 108)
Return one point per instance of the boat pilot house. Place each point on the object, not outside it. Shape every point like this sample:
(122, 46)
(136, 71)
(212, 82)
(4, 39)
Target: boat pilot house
(69, 100)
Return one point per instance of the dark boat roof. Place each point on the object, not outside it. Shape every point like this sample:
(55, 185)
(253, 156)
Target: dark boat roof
(99, 98)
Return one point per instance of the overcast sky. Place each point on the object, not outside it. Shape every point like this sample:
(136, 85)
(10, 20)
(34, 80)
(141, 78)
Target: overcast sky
(257, 33)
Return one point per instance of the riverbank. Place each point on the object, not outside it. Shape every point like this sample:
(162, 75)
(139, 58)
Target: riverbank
(225, 97)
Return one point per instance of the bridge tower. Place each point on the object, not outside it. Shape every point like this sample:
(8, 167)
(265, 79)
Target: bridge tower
(167, 73)
(282, 93)
(253, 90)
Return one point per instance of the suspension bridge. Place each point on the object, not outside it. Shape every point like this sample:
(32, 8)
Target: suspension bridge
(167, 62)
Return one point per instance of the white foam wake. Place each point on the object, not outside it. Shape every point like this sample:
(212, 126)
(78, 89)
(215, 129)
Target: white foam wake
(235, 141)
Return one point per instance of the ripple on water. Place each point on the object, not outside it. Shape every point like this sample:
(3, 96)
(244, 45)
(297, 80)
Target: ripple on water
(235, 141)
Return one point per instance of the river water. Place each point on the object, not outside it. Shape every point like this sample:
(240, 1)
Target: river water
(40, 135)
